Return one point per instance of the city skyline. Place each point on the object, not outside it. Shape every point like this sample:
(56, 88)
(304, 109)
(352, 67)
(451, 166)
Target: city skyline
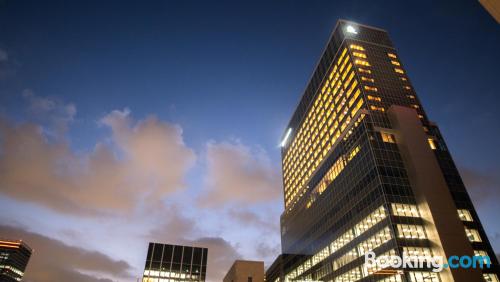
(204, 90)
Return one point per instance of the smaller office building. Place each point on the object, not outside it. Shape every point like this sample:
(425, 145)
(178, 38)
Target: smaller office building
(245, 271)
(14, 257)
(168, 263)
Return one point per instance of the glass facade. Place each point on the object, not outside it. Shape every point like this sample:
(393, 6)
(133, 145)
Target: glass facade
(168, 263)
(14, 257)
(348, 188)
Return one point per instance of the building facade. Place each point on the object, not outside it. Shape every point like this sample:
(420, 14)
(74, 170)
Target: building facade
(365, 170)
(493, 7)
(14, 257)
(168, 263)
(245, 271)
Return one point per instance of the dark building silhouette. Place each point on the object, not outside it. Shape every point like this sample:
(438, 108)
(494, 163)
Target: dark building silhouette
(365, 170)
(166, 263)
(14, 257)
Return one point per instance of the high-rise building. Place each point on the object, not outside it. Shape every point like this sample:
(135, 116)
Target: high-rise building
(493, 7)
(14, 257)
(365, 170)
(245, 271)
(168, 263)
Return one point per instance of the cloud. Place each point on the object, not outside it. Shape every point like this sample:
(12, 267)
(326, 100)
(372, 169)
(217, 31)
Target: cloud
(143, 162)
(247, 218)
(8, 66)
(52, 113)
(482, 185)
(221, 255)
(3, 56)
(237, 174)
(53, 260)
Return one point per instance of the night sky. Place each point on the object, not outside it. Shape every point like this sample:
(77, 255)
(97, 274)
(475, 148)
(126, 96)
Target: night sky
(124, 122)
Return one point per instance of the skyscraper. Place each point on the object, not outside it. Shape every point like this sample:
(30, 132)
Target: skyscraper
(168, 263)
(365, 170)
(14, 257)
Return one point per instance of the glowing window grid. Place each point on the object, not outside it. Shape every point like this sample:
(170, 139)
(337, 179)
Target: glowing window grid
(335, 105)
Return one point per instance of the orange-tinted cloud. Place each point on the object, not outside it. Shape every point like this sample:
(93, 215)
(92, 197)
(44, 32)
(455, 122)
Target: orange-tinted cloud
(237, 174)
(142, 161)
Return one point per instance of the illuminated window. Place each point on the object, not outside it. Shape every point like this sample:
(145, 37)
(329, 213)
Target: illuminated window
(374, 98)
(472, 235)
(391, 55)
(484, 255)
(410, 231)
(370, 88)
(398, 70)
(374, 241)
(364, 70)
(351, 275)
(395, 63)
(415, 106)
(417, 251)
(360, 55)
(480, 253)
(421, 276)
(432, 144)
(357, 47)
(464, 215)
(407, 87)
(363, 78)
(387, 137)
(361, 62)
(404, 209)
(490, 277)
(375, 108)
(411, 96)
(403, 78)
(369, 221)
(345, 259)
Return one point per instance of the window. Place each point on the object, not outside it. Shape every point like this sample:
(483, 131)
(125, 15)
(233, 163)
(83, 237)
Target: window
(387, 137)
(361, 62)
(464, 215)
(370, 88)
(359, 54)
(420, 276)
(404, 209)
(375, 108)
(407, 87)
(403, 78)
(364, 78)
(490, 277)
(250, 279)
(364, 70)
(411, 231)
(374, 98)
(417, 251)
(396, 63)
(391, 55)
(473, 235)
(432, 144)
(357, 47)
(398, 70)
(374, 241)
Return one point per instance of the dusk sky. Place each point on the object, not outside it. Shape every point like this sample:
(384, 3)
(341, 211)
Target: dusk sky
(125, 122)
